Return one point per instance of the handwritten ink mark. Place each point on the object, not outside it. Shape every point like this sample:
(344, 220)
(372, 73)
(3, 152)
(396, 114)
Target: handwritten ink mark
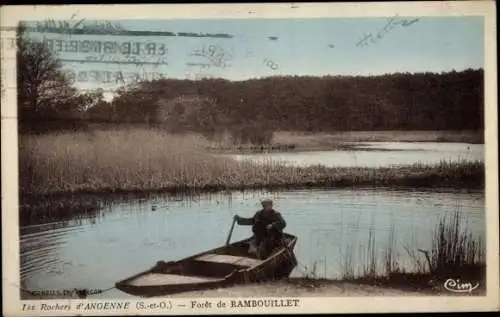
(53, 26)
(217, 35)
(215, 54)
(197, 53)
(269, 63)
(110, 77)
(160, 61)
(79, 23)
(391, 24)
(202, 65)
(100, 61)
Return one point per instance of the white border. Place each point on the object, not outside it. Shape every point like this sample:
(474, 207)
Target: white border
(10, 15)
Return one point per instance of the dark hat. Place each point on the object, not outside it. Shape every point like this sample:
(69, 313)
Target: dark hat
(266, 202)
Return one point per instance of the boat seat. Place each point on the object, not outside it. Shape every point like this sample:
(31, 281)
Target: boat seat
(230, 259)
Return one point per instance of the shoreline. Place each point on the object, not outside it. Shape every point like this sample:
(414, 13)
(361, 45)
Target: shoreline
(251, 150)
(301, 286)
(193, 191)
(421, 179)
(207, 191)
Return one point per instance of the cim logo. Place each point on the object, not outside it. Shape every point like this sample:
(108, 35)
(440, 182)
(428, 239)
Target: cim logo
(457, 286)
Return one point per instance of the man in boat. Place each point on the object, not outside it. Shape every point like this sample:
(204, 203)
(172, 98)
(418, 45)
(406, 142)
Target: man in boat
(267, 226)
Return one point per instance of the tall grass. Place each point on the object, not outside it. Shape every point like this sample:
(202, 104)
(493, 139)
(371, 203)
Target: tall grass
(144, 160)
(454, 248)
(455, 252)
(371, 260)
(128, 160)
(367, 264)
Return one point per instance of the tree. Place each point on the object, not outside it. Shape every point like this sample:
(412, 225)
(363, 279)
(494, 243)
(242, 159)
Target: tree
(45, 93)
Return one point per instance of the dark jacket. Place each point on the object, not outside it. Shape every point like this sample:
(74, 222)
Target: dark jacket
(261, 220)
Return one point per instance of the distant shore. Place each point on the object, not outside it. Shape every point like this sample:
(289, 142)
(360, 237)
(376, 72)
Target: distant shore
(345, 140)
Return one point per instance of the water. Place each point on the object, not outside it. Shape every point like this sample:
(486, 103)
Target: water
(129, 236)
(377, 154)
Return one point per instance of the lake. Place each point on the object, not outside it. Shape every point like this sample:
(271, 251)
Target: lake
(377, 154)
(334, 227)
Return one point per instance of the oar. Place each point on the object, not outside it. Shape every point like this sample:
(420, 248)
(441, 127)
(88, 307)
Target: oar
(230, 232)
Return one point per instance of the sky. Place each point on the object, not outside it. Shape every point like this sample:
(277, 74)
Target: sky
(308, 46)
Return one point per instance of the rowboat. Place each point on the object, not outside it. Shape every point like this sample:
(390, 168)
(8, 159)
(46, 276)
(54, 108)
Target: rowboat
(220, 267)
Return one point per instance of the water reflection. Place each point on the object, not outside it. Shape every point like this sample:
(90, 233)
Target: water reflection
(336, 229)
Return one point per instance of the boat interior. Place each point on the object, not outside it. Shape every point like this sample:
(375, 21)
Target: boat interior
(210, 266)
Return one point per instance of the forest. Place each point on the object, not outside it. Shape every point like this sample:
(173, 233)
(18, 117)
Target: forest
(425, 101)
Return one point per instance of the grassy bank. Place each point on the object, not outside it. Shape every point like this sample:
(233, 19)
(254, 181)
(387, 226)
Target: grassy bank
(455, 253)
(150, 160)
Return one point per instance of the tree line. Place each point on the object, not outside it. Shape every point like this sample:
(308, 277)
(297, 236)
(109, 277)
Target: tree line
(424, 101)
(252, 109)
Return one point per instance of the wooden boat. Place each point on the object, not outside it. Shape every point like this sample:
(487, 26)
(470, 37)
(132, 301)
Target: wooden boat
(221, 267)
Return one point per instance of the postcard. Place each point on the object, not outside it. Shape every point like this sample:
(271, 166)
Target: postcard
(249, 158)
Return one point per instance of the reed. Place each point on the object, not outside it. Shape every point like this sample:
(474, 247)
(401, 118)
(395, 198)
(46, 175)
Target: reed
(454, 248)
(148, 160)
(371, 259)
(455, 251)
(367, 265)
